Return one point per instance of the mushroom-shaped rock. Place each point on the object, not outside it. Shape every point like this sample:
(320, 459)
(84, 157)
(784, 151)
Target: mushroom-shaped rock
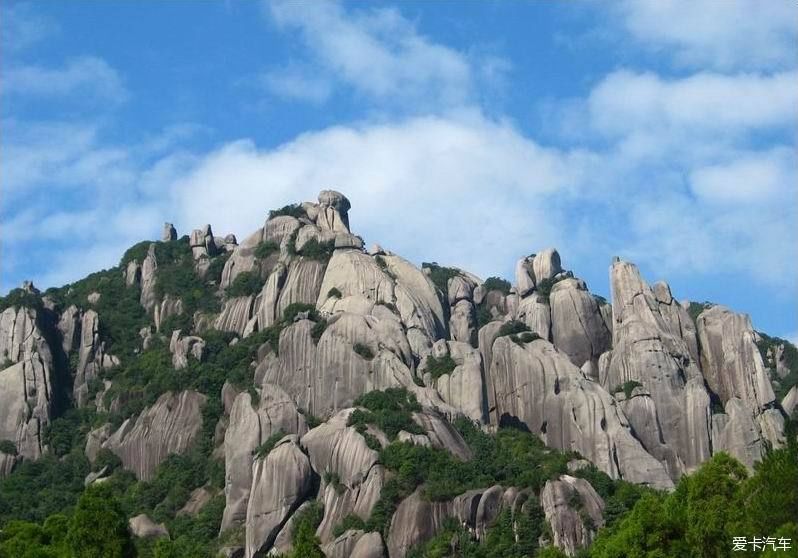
(143, 527)
(333, 211)
(574, 511)
(280, 481)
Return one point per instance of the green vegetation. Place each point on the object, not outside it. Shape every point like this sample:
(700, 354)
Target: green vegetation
(511, 458)
(627, 388)
(20, 298)
(8, 447)
(246, 283)
(390, 411)
(266, 249)
(544, 287)
(513, 327)
(318, 330)
(768, 344)
(295, 308)
(315, 250)
(334, 293)
(483, 314)
(363, 350)
(708, 509)
(437, 367)
(306, 544)
(291, 210)
(497, 284)
(351, 521)
(440, 275)
(263, 449)
(696, 308)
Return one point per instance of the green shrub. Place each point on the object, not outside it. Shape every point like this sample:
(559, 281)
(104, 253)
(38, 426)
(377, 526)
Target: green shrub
(440, 275)
(334, 293)
(8, 447)
(266, 249)
(513, 327)
(20, 298)
(437, 367)
(627, 388)
(544, 287)
(290, 210)
(333, 479)
(318, 330)
(524, 338)
(246, 283)
(305, 542)
(483, 314)
(351, 521)
(390, 411)
(363, 350)
(497, 284)
(695, 309)
(291, 311)
(263, 449)
(315, 250)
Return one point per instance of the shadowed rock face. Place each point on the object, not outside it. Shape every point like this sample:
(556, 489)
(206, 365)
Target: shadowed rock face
(251, 424)
(280, 481)
(674, 425)
(574, 511)
(534, 383)
(169, 426)
(26, 384)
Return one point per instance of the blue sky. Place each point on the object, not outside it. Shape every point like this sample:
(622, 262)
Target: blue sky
(468, 133)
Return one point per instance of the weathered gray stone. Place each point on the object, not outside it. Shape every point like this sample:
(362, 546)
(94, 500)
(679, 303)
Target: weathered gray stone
(416, 521)
(169, 232)
(463, 322)
(280, 482)
(577, 326)
(572, 529)
(143, 527)
(149, 270)
(540, 387)
(251, 424)
(169, 426)
(235, 314)
(546, 264)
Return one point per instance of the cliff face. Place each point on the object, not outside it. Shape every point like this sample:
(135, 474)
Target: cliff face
(637, 387)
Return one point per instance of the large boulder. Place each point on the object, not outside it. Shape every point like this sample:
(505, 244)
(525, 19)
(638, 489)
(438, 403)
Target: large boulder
(416, 520)
(675, 426)
(352, 477)
(574, 511)
(280, 481)
(537, 385)
(251, 424)
(26, 385)
(731, 361)
(577, 326)
(169, 426)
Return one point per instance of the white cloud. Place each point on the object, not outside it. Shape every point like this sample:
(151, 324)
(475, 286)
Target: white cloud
(21, 27)
(87, 76)
(294, 82)
(378, 53)
(750, 180)
(739, 34)
(626, 102)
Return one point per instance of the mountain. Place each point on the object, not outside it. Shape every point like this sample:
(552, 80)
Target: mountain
(298, 394)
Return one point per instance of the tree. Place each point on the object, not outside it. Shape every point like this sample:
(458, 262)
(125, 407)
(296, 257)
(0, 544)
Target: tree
(98, 528)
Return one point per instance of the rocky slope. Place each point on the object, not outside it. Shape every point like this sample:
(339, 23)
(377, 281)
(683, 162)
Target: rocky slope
(638, 387)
